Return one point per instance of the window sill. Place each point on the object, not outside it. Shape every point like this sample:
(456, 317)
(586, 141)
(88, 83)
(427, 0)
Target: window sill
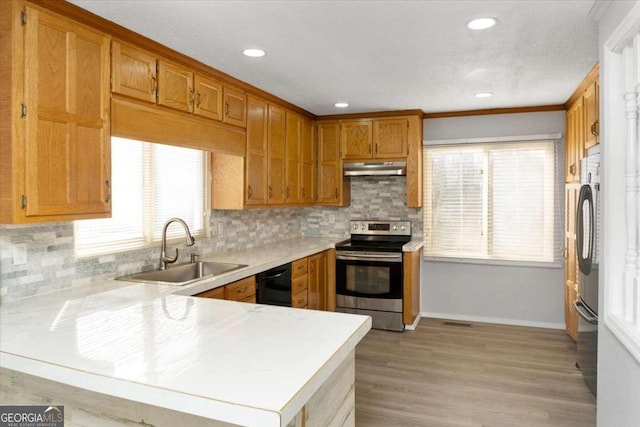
(503, 263)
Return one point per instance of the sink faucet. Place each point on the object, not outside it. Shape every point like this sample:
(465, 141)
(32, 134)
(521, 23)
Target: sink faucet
(164, 259)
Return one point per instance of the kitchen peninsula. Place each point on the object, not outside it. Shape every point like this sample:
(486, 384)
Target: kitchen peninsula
(123, 354)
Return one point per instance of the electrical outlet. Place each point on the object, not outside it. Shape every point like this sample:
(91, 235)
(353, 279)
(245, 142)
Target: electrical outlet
(20, 254)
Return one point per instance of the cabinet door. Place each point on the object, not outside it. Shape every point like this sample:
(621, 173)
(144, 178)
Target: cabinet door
(208, 97)
(175, 86)
(329, 166)
(294, 130)
(242, 290)
(215, 293)
(277, 169)
(574, 142)
(390, 138)
(317, 291)
(308, 167)
(571, 259)
(256, 168)
(591, 124)
(235, 107)
(357, 138)
(134, 72)
(67, 149)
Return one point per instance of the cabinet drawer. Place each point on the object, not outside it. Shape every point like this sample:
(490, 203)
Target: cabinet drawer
(240, 290)
(298, 269)
(299, 300)
(251, 299)
(215, 293)
(299, 284)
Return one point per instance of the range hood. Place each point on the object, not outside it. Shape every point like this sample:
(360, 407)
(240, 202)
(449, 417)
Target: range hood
(375, 168)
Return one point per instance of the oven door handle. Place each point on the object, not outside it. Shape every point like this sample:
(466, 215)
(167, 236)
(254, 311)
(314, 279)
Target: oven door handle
(371, 257)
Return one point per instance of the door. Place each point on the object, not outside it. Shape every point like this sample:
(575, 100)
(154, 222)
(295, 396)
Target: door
(357, 138)
(390, 138)
(308, 166)
(175, 86)
(208, 97)
(134, 72)
(329, 166)
(377, 275)
(256, 167)
(276, 155)
(317, 293)
(293, 139)
(591, 121)
(235, 107)
(67, 145)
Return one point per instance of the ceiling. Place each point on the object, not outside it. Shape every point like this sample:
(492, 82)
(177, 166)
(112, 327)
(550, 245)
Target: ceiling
(379, 55)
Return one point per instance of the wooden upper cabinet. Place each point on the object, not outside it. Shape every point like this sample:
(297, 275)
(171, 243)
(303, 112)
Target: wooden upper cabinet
(133, 72)
(276, 163)
(208, 97)
(175, 86)
(332, 188)
(67, 141)
(574, 141)
(357, 139)
(390, 138)
(256, 162)
(235, 107)
(293, 157)
(591, 120)
(308, 165)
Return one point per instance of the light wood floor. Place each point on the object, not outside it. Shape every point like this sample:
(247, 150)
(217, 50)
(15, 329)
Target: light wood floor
(483, 375)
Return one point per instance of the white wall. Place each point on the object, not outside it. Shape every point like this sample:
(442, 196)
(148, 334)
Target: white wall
(618, 371)
(500, 294)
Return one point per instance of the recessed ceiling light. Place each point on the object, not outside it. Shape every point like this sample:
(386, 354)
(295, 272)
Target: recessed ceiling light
(341, 104)
(483, 94)
(254, 53)
(481, 23)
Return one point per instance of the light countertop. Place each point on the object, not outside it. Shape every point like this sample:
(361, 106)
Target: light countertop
(413, 245)
(244, 363)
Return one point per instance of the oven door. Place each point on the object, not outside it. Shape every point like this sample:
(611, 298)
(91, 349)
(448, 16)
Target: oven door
(369, 274)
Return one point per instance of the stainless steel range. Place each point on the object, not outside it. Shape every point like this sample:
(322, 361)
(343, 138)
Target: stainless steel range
(369, 271)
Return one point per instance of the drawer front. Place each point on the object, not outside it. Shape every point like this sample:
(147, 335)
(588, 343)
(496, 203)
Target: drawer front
(299, 300)
(299, 268)
(251, 299)
(216, 293)
(240, 290)
(299, 284)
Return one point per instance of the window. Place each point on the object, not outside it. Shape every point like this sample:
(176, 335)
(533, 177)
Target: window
(150, 184)
(490, 201)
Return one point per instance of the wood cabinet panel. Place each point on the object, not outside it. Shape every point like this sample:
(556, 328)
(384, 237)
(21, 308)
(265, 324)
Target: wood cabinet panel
(300, 284)
(308, 166)
(317, 285)
(571, 259)
(241, 290)
(332, 187)
(208, 97)
(276, 163)
(412, 265)
(299, 268)
(235, 107)
(215, 293)
(67, 148)
(574, 141)
(175, 86)
(293, 157)
(133, 72)
(299, 300)
(257, 148)
(390, 138)
(357, 139)
(591, 119)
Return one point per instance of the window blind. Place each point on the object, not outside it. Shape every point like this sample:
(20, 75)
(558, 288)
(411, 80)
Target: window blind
(150, 184)
(491, 201)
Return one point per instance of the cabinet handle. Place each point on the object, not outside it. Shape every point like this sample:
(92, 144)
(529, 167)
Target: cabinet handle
(226, 108)
(572, 169)
(596, 128)
(303, 195)
(242, 290)
(250, 192)
(300, 300)
(369, 149)
(270, 192)
(376, 150)
(288, 192)
(107, 199)
(198, 98)
(336, 193)
(154, 83)
(191, 96)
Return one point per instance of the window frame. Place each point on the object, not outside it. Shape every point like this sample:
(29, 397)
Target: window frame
(558, 201)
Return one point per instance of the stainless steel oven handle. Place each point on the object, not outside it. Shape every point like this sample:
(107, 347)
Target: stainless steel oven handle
(366, 256)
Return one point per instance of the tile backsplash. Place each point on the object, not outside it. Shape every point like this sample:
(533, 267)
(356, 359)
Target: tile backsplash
(52, 265)
(372, 197)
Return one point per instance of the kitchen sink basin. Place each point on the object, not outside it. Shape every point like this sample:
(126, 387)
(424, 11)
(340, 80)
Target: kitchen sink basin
(183, 274)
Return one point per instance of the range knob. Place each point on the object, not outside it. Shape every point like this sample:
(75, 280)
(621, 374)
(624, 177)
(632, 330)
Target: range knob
(355, 226)
(362, 227)
(395, 227)
(404, 227)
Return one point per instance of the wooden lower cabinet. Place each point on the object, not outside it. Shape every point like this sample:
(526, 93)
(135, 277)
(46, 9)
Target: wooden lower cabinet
(412, 265)
(243, 290)
(571, 260)
(313, 283)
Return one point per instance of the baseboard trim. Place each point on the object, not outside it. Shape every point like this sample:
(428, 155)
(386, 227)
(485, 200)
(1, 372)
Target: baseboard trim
(496, 320)
(414, 325)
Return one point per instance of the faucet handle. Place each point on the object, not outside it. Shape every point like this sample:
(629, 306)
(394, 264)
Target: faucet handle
(170, 260)
(194, 257)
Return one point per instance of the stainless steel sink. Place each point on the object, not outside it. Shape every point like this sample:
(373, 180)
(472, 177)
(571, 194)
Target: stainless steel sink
(183, 274)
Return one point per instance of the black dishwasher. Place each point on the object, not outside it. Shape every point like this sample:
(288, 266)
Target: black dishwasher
(274, 286)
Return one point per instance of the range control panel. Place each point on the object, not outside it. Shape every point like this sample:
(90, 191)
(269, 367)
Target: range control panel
(382, 228)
